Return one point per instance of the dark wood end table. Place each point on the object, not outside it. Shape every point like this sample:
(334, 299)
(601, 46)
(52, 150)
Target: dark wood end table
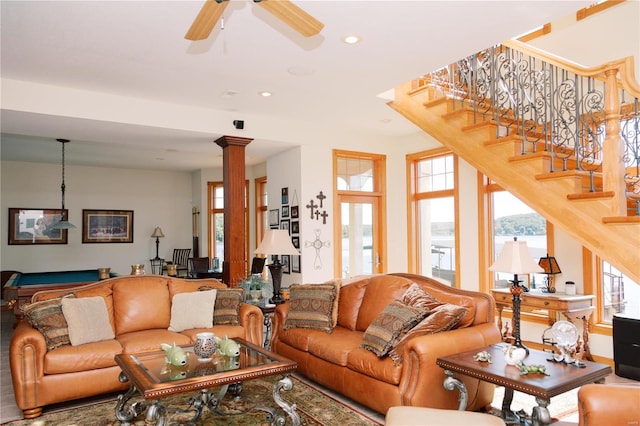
(562, 378)
(154, 379)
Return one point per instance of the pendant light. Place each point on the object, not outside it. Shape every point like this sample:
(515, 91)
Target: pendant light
(64, 223)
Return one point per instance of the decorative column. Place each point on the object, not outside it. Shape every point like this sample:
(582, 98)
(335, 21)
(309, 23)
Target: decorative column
(234, 209)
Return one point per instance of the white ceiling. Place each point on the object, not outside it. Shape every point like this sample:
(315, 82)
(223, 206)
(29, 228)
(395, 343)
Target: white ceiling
(137, 50)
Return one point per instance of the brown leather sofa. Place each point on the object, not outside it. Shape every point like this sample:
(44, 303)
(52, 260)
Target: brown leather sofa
(609, 404)
(139, 309)
(336, 361)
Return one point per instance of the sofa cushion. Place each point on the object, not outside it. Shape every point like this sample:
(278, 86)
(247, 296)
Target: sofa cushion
(192, 310)
(141, 303)
(418, 298)
(88, 319)
(47, 317)
(227, 307)
(381, 291)
(446, 296)
(441, 318)
(369, 364)
(90, 356)
(312, 306)
(335, 347)
(298, 338)
(351, 295)
(390, 325)
(149, 340)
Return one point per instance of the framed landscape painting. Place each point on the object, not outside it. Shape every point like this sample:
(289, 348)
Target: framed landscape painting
(107, 226)
(34, 226)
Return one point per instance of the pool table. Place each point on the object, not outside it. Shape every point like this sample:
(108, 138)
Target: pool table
(21, 286)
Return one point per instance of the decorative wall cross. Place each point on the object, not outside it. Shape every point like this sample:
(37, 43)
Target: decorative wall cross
(314, 209)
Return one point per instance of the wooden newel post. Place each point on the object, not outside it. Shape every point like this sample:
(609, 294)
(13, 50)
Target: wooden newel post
(233, 165)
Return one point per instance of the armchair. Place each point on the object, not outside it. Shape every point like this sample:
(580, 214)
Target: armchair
(198, 265)
(609, 404)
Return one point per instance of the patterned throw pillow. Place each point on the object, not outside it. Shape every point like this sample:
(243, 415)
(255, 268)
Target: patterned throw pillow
(393, 321)
(48, 319)
(312, 306)
(227, 308)
(441, 318)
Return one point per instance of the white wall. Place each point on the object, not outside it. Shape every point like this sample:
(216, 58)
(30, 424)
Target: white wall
(156, 198)
(284, 170)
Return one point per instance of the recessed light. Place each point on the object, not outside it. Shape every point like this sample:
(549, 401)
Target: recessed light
(265, 94)
(351, 39)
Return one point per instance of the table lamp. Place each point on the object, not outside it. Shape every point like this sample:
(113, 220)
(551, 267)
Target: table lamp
(276, 242)
(550, 266)
(157, 234)
(516, 259)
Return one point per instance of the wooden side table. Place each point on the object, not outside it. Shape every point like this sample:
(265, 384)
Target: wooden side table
(572, 307)
(562, 378)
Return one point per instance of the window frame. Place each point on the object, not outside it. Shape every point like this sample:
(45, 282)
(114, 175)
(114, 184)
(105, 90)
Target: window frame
(379, 228)
(413, 199)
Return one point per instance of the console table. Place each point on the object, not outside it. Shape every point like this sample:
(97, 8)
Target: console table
(573, 307)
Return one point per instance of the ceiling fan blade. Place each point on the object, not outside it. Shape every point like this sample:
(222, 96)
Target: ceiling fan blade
(206, 20)
(293, 16)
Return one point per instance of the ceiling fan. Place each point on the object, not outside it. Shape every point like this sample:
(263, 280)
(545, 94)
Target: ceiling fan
(284, 10)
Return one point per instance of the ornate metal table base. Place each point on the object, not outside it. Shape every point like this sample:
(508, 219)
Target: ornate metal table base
(539, 417)
(157, 412)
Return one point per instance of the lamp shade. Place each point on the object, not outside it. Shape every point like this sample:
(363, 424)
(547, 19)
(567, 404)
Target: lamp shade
(515, 259)
(276, 241)
(549, 264)
(157, 233)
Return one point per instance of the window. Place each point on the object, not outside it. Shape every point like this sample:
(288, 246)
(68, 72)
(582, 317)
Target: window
(432, 209)
(617, 294)
(360, 205)
(216, 219)
(510, 218)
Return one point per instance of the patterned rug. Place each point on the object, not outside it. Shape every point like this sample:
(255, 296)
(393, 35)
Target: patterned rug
(314, 407)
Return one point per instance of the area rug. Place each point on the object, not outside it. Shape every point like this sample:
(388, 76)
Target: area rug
(314, 407)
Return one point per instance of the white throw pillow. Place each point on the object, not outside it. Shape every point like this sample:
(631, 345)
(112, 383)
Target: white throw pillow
(88, 319)
(192, 310)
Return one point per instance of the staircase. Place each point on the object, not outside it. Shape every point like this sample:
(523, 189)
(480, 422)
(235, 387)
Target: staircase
(563, 139)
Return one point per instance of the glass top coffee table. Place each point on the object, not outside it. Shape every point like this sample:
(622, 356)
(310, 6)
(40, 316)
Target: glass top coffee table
(154, 379)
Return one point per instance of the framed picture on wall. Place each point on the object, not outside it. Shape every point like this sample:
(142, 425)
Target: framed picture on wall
(286, 263)
(295, 227)
(274, 218)
(284, 224)
(107, 226)
(34, 226)
(295, 264)
(296, 242)
(285, 195)
(285, 211)
(294, 212)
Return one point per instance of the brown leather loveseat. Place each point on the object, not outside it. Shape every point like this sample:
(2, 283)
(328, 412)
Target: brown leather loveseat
(139, 309)
(337, 361)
